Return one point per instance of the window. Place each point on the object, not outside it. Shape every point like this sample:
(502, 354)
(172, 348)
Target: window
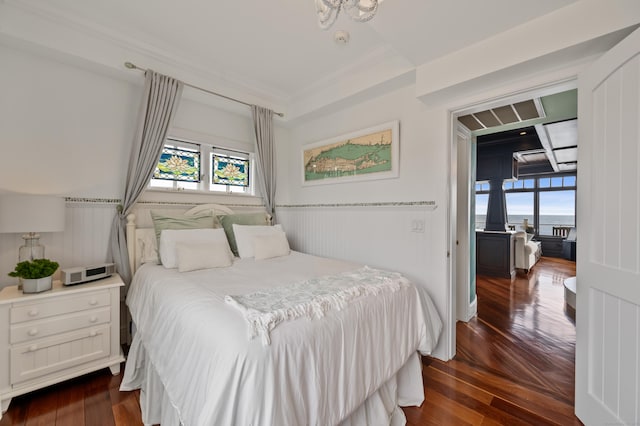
(482, 201)
(557, 208)
(230, 171)
(180, 168)
(520, 201)
(546, 202)
(519, 207)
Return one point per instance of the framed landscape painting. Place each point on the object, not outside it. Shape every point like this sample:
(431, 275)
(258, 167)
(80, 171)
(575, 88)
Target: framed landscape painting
(366, 154)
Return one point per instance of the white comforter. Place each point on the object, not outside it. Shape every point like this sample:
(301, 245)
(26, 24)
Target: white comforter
(314, 372)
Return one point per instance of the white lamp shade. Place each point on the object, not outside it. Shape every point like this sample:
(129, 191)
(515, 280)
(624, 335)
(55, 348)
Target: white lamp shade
(31, 213)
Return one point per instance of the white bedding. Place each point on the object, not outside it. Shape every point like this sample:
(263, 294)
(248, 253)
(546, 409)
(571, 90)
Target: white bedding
(314, 372)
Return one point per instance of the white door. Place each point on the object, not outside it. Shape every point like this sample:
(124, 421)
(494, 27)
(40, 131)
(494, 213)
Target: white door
(465, 277)
(608, 251)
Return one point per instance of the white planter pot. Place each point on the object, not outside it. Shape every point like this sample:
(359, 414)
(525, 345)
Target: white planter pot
(36, 285)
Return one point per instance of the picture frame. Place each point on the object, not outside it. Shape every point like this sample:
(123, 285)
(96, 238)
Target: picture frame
(367, 154)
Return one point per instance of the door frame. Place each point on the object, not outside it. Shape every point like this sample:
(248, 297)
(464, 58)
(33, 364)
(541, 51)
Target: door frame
(567, 82)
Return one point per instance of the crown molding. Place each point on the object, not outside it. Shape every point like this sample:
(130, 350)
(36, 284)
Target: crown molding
(44, 27)
(144, 54)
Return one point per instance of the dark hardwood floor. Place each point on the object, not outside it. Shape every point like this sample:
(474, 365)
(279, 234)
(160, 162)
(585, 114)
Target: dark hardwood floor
(514, 366)
(515, 360)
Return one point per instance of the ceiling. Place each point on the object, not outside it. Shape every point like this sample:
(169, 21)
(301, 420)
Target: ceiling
(542, 133)
(274, 49)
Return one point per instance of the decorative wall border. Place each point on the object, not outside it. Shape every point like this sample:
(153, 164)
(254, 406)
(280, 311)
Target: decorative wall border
(117, 201)
(431, 205)
(82, 200)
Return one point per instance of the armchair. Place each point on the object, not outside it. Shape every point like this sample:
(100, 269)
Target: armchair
(528, 252)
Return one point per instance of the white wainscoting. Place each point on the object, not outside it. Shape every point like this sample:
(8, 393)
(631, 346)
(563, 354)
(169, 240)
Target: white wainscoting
(85, 240)
(393, 236)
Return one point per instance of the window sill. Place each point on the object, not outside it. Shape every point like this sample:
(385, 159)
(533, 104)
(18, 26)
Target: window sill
(198, 197)
(197, 192)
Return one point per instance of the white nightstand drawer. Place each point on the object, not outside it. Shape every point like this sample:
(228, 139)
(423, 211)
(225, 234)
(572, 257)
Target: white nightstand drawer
(33, 330)
(32, 360)
(59, 305)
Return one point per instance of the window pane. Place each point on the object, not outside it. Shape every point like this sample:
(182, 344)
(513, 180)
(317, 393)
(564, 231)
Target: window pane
(518, 184)
(179, 165)
(544, 182)
(569, 181)
(556, 182)
(557, 208)
(486, 186)
(507, 185)
(482, 200)
(478, 187)
(519, 207)
(529, 183)
(230, 171)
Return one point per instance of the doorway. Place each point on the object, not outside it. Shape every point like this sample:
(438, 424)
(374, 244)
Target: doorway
(463, 169)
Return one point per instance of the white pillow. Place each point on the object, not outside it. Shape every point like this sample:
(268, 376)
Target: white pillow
(147, 244)
(213, 254)
(170, 237)
(244, 237)
(272, 245)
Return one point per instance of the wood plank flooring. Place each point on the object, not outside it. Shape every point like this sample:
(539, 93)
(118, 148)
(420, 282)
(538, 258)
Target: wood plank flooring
(515, 360)
(514, 366)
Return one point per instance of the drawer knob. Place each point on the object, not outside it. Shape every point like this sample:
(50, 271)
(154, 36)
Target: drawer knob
(33, 312)
(93, 333)
(32, 332)
(93, 302)
(33, 348)
(93, 319)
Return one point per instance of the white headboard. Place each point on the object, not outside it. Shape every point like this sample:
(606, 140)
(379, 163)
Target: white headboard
(141, 236)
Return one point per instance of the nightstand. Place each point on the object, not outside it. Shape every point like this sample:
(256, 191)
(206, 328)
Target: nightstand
(49, 337)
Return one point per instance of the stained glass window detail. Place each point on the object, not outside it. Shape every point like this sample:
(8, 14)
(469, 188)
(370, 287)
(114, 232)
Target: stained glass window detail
(230, 171)
(178, 164)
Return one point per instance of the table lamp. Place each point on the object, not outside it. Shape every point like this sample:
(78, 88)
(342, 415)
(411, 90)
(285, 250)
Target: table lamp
(30, 214)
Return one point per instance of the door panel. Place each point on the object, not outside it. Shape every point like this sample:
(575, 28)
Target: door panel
(608, 263)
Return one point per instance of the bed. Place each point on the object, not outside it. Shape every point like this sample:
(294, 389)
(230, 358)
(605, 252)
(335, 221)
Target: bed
(199, 357)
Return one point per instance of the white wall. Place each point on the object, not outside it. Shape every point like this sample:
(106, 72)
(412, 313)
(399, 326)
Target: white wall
(378, 235)
(66, 129)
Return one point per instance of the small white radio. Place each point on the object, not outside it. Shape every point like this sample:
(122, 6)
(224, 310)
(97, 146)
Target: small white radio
(83, 274)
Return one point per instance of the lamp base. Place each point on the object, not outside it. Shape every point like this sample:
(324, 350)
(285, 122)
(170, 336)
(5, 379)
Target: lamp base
(32, 249)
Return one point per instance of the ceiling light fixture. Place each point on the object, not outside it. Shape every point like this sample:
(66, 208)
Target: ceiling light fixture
(341, 37)
(358, 10)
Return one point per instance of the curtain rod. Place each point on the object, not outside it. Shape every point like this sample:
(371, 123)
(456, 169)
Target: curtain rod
(133, 66)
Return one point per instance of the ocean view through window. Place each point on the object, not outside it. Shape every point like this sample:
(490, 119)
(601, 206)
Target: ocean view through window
(546, 202)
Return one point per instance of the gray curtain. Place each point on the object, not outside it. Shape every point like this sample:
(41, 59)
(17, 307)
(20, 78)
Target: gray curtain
(159, 104)
(263, 125)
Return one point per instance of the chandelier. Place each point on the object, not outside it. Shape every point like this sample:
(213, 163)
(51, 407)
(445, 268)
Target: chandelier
(358, 10)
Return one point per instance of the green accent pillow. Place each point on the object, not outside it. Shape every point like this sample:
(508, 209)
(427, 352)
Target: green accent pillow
(165, 220)
(228, 220)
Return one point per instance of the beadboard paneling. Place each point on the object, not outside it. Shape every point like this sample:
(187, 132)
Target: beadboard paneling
(615, 371)
(85, 240)
(379, 236)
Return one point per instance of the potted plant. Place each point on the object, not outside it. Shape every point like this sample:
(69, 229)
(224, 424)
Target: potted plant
(35, 275)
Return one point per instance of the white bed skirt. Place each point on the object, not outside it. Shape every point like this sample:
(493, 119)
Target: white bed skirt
(381, 408)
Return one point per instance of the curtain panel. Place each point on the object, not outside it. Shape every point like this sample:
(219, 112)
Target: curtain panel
(159, 103)
(263, 126)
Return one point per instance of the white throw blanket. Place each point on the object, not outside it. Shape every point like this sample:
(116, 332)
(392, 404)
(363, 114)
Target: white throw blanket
(311, 298)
